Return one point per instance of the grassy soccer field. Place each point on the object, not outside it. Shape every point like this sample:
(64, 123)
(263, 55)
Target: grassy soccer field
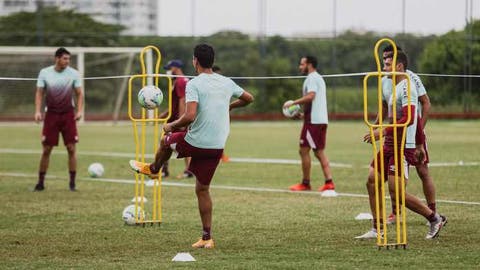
(253, 229)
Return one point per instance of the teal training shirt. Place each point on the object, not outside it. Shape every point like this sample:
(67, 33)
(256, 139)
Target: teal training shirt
(211, 126)
(59, 87)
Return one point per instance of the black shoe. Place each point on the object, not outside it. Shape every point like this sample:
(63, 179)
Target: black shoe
(72, 187)
(39, 187)
(188, 174)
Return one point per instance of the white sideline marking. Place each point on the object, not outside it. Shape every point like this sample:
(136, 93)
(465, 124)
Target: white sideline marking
(235, 160)
(234, 188)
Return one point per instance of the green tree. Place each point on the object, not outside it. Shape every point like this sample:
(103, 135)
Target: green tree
(53, 27)
(447, 55)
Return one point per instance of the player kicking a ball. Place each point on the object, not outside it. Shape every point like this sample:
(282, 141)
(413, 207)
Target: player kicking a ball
(207, 115)
(411, 154)
(315, 122)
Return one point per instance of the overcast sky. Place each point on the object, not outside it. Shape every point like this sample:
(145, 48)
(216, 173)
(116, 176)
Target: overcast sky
(312, 17)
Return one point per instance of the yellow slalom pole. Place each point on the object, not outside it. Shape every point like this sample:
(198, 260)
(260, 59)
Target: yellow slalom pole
(141, 141)
(380, 203)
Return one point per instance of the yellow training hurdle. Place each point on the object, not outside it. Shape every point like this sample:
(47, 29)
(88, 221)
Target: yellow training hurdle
(140, 140)
(380, 199)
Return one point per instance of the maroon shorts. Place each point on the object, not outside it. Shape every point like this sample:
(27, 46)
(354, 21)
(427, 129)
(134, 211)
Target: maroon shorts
(389, 161)
(313, 136)
(204, 162)
(56, 123)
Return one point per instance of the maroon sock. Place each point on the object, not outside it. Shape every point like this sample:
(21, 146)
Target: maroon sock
(328, 181)
(432, 207)
(73, 174)
(432, 217)
(41, 178)
(153, 169)
(206, 233)
(306, 182)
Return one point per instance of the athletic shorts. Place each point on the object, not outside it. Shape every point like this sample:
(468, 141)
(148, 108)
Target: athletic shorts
(389, 161)
(204, 162)
(56, 123)
(313, 136)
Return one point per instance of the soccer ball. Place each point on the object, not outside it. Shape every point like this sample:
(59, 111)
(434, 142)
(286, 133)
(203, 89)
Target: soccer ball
(150, 97)
(128, 214)
(292, 110)
(95, 170)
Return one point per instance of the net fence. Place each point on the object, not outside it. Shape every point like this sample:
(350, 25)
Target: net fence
(106, 78)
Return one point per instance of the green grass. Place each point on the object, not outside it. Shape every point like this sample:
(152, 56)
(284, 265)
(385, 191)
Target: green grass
(253, 230)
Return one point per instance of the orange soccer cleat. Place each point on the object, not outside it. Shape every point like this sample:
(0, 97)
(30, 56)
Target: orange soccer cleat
(143, 168)
(300, 187)
(204, 243)
(327, 186)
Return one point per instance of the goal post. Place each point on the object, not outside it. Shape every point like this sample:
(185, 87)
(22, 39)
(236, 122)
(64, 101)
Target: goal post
(19, 66)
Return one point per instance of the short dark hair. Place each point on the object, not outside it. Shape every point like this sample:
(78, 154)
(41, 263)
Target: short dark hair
(61, 51)
(216, 69)
(402, 58)
(389, 48)
(205, 55)
(311, 60)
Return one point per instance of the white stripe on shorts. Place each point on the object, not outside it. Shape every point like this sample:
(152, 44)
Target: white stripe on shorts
(310, 140)
(405, 168)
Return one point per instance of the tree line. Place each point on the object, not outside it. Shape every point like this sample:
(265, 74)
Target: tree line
(455, 52)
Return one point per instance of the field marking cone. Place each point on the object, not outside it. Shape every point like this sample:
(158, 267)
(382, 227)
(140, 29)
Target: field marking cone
(329, 193)
(183, 257)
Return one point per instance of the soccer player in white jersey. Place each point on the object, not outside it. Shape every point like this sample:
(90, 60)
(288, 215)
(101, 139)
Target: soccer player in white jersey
(207, 115)
(58, 83)
(402, 109)
(315, 122)
(422, 111)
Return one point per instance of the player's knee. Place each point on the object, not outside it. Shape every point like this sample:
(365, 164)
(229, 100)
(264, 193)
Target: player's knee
(201, 189)
(303, 151)
(70, 149)
(163, 144)
(47, 150)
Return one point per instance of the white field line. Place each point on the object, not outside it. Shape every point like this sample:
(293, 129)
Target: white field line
(235, 160)
(234, 188)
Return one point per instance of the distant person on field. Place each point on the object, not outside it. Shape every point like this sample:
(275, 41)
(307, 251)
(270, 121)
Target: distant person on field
(207, 115)
(423, 109)
(175, 67)
(58, 83)
(314, 130)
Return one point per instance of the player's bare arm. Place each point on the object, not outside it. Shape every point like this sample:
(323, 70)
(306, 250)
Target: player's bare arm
(426, 105)
(308, 98)
(38, 104)
(186, 119)
(181, 106)
(79, 93)
(242, 101)
(367, 138)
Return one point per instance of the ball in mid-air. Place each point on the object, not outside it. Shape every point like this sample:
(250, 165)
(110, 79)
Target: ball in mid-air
(95, 170)
(150, 97)
(291, 110)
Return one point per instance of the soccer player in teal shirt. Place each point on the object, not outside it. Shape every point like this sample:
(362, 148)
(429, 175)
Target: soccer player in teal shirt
(58, 83)
(208, 119)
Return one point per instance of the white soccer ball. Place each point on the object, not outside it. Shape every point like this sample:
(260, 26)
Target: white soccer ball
(292, 110)
(150, 97)
(128, 214)
(95, 170)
